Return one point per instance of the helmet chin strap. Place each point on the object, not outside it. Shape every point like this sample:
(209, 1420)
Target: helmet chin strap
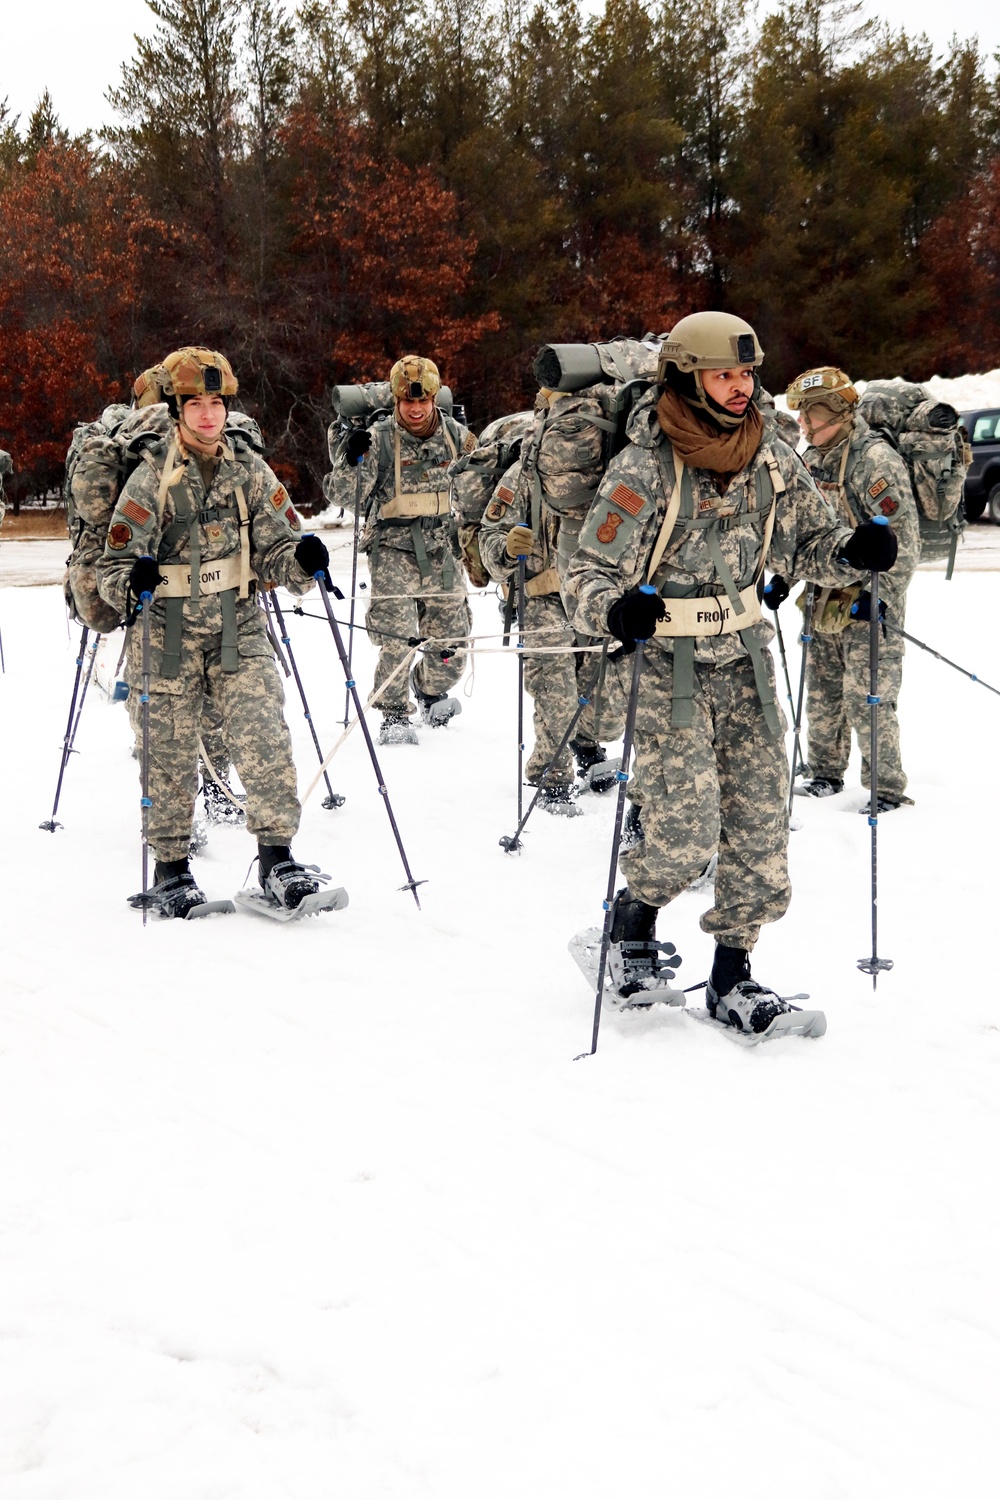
(718, 414)
(192, 438)
(844, 424)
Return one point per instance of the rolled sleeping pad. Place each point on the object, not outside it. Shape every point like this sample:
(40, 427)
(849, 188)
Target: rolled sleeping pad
(353, 401)
(568, 367)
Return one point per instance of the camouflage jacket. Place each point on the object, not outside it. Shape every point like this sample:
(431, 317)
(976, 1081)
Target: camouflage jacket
(137, 529)
(876, 482)
(508, 508)
(612, 558)
(424, 463)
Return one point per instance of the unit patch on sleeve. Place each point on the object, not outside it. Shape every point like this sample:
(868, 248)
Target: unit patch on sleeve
(279, 498)
(293, 519)
(119, 536)
(876, 489)
(136, 512)
(627, 499)
(608, 529)
(470, 442)
(889, 507)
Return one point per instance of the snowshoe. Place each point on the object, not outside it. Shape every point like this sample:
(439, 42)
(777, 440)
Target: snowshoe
(646, 975)
(436, 709)
(820, 786)
(397, 730)
(560, 800)
(597, 773)
(287, 889)
(222, 804)
(177, 895)
(756, 1014)
(885, 805)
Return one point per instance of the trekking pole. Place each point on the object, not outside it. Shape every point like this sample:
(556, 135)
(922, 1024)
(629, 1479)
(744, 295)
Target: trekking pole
(874, 965)
(332, 799)
(622, 778)
(788, 686)
(930, 650)
(511, 843)
(411, 884)
(3, 664)
(145, 600)
(522, 562)
(50, 825)
(354, 590)
(806, 639)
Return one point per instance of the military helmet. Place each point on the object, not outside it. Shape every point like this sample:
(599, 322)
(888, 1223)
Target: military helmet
(709, 341)
(825, 386)
(146, 389)
(412, 378)
(196, 372)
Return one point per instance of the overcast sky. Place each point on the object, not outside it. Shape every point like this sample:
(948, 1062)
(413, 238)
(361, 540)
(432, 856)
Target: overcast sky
(76, 50)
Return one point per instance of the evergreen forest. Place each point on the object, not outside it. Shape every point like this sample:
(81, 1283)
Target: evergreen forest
(317, 192)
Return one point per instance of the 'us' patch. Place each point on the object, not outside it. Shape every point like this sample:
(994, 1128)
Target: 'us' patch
(608, 529)
(119, 536)
(279, 498)
(889, 507)
(876, 489)
(627, 499)
(136, 512)
(292, 519)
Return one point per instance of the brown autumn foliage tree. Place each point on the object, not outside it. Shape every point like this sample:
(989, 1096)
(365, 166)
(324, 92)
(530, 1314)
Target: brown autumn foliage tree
(67, 302)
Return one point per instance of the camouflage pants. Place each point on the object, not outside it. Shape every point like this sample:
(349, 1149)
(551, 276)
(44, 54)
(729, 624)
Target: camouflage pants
(211, 738)
(721, 785)
(555, 684)
(403, 606)
(249, 702)
(838, 676)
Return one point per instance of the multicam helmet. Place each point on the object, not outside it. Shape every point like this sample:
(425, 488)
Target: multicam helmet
(412, 378)
(825, 385)
(146, 389)
(196, 372)
(709, 341)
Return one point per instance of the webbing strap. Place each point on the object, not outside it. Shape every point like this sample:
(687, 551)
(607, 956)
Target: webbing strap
(672, 488)
(760, 677)
(230, 634)
(241, 506)
(420, 550)
(682, 692)
(173, 630)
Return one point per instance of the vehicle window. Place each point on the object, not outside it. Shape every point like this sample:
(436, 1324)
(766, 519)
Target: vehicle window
(986, 428)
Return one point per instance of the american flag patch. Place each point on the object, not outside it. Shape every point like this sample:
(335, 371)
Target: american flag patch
(504, 494)
(136, 512)
(627, 499)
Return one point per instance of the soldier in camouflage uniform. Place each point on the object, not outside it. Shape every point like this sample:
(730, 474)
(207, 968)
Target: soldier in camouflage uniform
(417, 586)
(6, 469)
(556, 681)
(693, 506)
(200, 519)
(862, 475)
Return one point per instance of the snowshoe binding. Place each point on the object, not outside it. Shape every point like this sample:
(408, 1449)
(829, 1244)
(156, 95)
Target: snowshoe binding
(639, 970)
(820, 786)
(884, 805)
(222, 804)
(559, 799)
(597, 773)
(755, 1013)
(287, 889)
(436, 709)
(396, 729)
(176, 894)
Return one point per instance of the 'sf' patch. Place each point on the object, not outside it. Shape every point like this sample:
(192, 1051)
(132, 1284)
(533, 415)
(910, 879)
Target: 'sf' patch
(877, 488)
(279, 498)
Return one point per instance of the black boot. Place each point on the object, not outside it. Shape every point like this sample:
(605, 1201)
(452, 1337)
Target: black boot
(174, 891)
(597, 773)
(640, 966)
(282, 877)
(733, 997)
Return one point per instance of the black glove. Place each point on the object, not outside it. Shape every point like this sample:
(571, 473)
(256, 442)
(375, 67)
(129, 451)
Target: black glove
(776, 591)
(312, 557)
(871, 548)
(861, 609)
(144, 577)
(633, 617)
(357, 445)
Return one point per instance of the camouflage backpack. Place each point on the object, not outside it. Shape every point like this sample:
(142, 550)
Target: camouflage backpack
(101, 457)
(928, 437)
(474, 477)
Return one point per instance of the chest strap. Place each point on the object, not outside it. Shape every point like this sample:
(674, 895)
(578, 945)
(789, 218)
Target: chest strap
(404, 506)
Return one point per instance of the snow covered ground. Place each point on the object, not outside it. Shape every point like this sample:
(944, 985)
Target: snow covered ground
(330, 1210)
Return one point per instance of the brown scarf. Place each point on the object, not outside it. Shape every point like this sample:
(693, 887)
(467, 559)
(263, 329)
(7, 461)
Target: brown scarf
(703, 446)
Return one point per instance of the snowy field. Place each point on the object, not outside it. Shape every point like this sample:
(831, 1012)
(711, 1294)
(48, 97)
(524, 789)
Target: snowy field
(330, 1210)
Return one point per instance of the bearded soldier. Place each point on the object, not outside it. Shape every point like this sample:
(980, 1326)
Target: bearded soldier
(693, 506)
(417, 587)
(862, 475)
(200, 520)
